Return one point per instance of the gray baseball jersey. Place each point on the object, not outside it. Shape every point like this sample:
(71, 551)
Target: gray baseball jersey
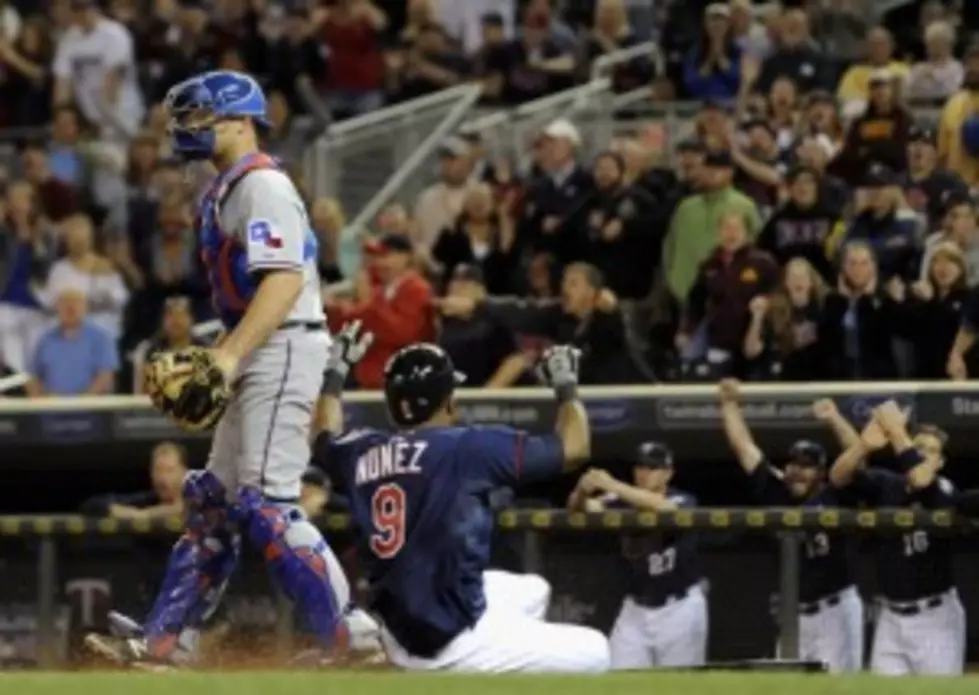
(263, 438)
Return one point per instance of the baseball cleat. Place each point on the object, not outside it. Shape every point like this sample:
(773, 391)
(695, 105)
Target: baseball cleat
(128, 652)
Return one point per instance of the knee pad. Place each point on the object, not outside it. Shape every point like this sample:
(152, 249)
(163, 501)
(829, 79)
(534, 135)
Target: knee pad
(293, 549)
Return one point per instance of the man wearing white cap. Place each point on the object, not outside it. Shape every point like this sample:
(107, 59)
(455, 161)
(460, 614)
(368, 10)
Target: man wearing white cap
(554, 200)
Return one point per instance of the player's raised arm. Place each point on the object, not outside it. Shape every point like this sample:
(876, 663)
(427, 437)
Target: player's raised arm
(559, 368)
(348, 348)
(851, 461)
(825, 411)
(271, 219)
(736, 429)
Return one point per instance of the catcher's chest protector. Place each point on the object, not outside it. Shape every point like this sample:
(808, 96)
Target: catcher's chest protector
(224, 253)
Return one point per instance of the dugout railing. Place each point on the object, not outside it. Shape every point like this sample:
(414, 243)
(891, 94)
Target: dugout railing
(532, 527)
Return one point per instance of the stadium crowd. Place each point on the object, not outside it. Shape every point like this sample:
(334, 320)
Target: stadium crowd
(811, 228)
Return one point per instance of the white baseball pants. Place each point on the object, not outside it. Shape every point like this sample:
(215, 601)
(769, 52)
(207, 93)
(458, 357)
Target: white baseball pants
(929, 643)
(671, 636)
(834, 634)
(512, 636)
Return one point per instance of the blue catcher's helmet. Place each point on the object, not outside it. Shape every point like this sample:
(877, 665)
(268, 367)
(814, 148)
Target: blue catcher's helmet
(196, 104)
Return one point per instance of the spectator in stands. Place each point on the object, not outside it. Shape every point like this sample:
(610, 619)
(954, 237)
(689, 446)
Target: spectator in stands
(541, 13)
(94, 68)
(756, 171)
(962, 105)
(351, 31)
(716, 316)
(820, 116)
(886, 223)
(750, 35)
(926, 187)
(398, 311)
(176, 332)
(712, 69)
(169, 261)
(879, 134)
(282, 139)
(419, 15)
(940, 76)
(692, 234)
(297, 61)
(26, 88)
(484, 60)
(930, 311)
(783, 340)
(76, 357)
(429, 64)
(670, 185)
(587, 316)
(796, 58)
(803, 225)
(959, 228)
(56, 200)
(553, 205)
(468, 22)
(91, 274)
(816, 152)
(858, 82)
(611, 32)
(168, 467)
(484, 237)
(328, 221)
(27, 248)
(543, 276)
(64, 159)
(840, 27)
(535, 64)
(783, 112)
(440, 205)
(859, 321)
(483, 350)
(622, 239)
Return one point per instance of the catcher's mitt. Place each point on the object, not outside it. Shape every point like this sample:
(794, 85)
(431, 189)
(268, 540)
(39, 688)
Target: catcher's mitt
(189, 387)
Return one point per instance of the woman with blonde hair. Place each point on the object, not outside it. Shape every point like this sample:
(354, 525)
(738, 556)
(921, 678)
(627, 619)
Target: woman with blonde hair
(783, 337)
(930, 310)
(611, 32)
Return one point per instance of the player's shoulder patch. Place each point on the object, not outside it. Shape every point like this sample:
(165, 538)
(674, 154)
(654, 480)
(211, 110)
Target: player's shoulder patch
(262, 233)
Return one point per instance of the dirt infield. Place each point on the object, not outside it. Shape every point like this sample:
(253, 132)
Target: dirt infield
(361, 683)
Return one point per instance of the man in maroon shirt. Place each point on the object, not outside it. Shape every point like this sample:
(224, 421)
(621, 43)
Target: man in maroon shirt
(355, 72)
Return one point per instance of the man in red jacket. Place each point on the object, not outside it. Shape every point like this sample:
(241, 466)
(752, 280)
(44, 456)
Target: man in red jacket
(398, 311)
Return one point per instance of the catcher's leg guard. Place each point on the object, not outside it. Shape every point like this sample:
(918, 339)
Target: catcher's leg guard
(197, 573)
(292, 547)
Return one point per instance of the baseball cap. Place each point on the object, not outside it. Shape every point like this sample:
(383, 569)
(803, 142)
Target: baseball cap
(654, 455)
(314, 476)
(467, 271)
(922, 133)
(718, 158)
(389, 243)
(807, 453)
(562, 129)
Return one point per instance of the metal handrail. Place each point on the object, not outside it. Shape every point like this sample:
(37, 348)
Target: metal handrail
(467, 96)
(389, 112)
(575, 95)
(625, 55)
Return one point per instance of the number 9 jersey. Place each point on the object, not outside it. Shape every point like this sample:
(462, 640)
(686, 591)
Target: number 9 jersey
(420, 501)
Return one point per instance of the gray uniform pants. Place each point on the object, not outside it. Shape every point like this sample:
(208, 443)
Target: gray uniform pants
(263, 438)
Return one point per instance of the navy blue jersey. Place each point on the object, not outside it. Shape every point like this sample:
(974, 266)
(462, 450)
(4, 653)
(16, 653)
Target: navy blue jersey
(916, 564)
(827, 565)
(421, 501)
(661, 565)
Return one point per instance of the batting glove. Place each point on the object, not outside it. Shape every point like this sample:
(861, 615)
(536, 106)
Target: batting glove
(558, 368)
(348, 348)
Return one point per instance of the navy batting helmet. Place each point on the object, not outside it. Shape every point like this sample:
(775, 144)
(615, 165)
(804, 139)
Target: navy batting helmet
(418, 380)
(807, 453)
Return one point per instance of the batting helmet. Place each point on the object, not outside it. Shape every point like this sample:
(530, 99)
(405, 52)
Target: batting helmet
(654, 455)
(196, 104)
(418, 380)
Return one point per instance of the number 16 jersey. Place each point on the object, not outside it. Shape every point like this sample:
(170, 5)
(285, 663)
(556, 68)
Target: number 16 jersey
(420, 501)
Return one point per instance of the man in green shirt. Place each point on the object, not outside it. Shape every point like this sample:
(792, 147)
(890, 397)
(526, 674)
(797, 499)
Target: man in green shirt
(692, 235)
